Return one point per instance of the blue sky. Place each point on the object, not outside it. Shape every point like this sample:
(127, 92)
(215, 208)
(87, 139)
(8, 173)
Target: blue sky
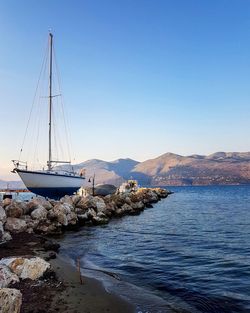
(139, 77)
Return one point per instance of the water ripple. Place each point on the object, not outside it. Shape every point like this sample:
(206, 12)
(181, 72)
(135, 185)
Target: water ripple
(191, 253)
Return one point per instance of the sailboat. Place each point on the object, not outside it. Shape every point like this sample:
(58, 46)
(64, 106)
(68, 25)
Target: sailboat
(51, 182)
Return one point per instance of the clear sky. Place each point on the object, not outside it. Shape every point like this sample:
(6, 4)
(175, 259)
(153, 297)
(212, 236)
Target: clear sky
(139, 77)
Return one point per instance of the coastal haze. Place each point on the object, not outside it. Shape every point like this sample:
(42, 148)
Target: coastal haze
(169, 169)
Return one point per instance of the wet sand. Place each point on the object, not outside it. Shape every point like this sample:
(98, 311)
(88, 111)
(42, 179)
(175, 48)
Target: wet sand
(60, 290)
(86, 298)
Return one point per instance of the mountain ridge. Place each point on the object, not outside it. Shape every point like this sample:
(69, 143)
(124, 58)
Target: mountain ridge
(219, 168)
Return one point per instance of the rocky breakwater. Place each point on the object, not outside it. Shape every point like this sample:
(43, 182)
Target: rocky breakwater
(51, 217)
(48, 217)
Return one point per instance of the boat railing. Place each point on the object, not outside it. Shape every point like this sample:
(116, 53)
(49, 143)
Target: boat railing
(20, 165)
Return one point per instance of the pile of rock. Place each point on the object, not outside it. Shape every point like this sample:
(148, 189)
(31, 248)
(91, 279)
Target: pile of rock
(52, 217)
(12, 270)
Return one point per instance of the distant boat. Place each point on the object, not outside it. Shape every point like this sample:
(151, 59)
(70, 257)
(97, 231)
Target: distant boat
(51, 182)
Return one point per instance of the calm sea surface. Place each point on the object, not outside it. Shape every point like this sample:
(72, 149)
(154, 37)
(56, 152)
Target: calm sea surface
(190, 253)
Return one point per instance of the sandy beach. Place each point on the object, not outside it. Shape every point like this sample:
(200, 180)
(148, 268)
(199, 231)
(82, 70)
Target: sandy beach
(60, 289)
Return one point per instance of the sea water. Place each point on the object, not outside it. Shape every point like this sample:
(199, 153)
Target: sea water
(190, 253)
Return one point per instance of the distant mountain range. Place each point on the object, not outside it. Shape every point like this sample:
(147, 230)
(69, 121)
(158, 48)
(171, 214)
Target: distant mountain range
(11, 184)
(221, 168)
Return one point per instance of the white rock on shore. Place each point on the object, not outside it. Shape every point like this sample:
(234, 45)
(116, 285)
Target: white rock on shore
(10, 300)
(7, 277)
(32, 268)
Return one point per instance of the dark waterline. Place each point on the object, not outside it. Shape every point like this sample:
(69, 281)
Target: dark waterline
(191, 252)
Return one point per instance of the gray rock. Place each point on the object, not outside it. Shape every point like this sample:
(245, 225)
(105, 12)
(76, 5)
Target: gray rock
(37, 202)
(7, 277)
(4, 235)
(62, 219)
(99, 204)
(67, 199)
(91, 213)
(83, 217)
(39, 213)
(13, 210)
(76, 199)
(72, 218)
(11, 300)
(138, 205)
(126, 208)
(59, 212)
(31, 223)
(99, 220)
(23, 206)
(3, 216)
(15, 225)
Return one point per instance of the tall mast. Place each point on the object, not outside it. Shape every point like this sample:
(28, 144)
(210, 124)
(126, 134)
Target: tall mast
(50, 97)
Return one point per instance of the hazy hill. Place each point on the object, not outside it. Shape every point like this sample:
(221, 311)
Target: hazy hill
(11, 184)
(174, 169)
(217, 168)
(171, 169)
(106, 172)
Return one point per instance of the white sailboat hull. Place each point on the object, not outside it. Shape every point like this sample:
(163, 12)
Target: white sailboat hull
(49, 184)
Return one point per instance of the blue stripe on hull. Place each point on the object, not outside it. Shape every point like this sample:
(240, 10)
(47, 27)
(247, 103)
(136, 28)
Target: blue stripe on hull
(53, 193)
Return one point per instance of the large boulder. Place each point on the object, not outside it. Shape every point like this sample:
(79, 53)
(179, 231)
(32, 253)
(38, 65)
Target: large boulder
(31, 223)
(83, 217)
(39, 213)
(99, 204)
(49, 228)
(162, 193)
(119, 199)
(6, 202)
(14, 210)
(90, 202)
(91, 213)
(7, 277)
(33, 268)
(63, 213)
(85, 203)
(3, 216)
(102, 190)
(37, 202)
(67, 199)
(15, 225)
(72, 218)
(152, 196)
(97, 220)
(11, 300)
(22, 205)
(126, 208)
(76, 199)
(138, 205)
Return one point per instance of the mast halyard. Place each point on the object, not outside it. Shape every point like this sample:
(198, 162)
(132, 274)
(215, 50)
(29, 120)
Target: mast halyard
(50, 99)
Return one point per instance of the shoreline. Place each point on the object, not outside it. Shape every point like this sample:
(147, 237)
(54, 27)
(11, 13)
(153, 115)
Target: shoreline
(25, 228)
(60, 290)
(90, 296)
